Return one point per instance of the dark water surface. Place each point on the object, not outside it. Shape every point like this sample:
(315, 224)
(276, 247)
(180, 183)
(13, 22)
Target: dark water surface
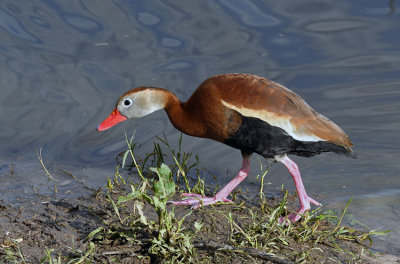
(64, 63)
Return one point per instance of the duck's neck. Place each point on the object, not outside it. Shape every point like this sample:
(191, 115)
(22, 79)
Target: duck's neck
(181, 117)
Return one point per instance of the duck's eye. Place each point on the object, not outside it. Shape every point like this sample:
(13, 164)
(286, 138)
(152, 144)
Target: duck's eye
(127, 102)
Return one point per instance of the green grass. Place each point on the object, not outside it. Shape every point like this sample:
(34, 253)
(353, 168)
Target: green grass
(262, 231)
(140, 219)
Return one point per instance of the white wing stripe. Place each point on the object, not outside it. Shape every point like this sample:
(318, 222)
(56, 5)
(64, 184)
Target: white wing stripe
(282, 122)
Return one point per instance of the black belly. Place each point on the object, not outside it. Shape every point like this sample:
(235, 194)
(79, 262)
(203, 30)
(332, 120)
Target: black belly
(255, 135)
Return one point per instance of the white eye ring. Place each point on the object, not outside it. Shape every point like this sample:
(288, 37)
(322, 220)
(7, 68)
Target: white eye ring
(127, 102)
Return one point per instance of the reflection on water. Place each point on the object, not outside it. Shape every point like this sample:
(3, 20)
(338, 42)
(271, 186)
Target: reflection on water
(63, 64)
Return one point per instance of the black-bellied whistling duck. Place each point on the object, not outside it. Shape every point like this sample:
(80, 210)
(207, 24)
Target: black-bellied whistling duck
(246, 112)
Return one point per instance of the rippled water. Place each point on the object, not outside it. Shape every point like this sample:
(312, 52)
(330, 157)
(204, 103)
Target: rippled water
(64, 63)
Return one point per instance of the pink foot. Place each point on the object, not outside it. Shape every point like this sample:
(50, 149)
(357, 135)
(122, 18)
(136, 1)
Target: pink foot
(196, 200)
(294, 217)
(304, 199)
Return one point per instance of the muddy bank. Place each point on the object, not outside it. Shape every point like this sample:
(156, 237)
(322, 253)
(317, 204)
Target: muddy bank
(38, 231)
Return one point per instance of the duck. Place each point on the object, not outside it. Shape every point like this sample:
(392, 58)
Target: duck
(246, 112)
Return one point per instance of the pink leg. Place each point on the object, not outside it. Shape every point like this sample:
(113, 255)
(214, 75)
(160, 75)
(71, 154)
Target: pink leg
(196, 200)
(305, 200)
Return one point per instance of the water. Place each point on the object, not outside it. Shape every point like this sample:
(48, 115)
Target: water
(63, 65)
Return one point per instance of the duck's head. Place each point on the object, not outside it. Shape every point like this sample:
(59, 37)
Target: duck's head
(135, 103)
